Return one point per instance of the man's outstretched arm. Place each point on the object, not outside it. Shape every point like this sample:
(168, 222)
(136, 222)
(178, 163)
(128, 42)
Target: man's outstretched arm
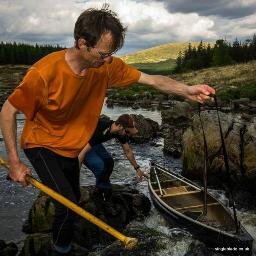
(83, 153)
(199, 92)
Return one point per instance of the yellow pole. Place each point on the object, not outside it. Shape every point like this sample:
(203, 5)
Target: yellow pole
(128, 242)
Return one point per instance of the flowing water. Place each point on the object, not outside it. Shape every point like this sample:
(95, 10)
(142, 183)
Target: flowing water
(15, 201)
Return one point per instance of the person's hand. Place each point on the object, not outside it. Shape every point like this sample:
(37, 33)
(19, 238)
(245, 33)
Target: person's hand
(141, 173)
(18, 171)
(199, 92)
(80, 162)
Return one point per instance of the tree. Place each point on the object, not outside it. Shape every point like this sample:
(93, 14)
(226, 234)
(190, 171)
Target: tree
(221, 55)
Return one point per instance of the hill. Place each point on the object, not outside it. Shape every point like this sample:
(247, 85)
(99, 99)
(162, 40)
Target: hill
(231, 82)
(158, 53)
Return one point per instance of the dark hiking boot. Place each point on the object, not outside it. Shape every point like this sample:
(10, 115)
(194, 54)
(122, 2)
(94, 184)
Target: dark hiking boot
(110, 208)
(77, 250)
(104, 197)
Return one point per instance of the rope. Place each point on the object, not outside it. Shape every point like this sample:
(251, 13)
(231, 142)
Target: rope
(225, 155)
(205, 161)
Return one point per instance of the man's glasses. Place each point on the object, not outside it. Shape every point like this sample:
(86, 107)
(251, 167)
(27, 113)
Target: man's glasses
(105, 55)
(127, 132)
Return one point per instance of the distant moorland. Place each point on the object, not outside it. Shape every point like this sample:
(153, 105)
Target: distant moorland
(231, 81)
(160, 59)
(158, 53)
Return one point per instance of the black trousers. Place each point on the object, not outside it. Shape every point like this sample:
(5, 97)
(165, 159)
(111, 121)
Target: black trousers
(62, 175)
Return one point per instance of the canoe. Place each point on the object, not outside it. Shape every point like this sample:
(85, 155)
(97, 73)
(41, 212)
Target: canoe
(182, 202)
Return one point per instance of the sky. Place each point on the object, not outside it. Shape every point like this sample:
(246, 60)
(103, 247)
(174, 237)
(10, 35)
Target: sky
(149, 22)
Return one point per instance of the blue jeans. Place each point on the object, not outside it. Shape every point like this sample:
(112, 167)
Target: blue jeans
(100, 162)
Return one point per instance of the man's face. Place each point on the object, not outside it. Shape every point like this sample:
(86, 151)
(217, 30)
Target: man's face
(101, 53)
(127, 131)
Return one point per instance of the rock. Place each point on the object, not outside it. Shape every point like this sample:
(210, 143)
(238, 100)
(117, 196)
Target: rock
(135, 106)
(40, 216)
(197, 248)
(147, 129)
(147, 94)
(179, 113)
(144, 102)
(174, 121)
(110, 103)
(240, 144)
(129, 204)
(37, 244)
(8, 249)
(152, 242)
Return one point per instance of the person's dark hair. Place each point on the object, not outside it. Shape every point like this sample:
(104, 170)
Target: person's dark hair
(125, 120)
(92, 23)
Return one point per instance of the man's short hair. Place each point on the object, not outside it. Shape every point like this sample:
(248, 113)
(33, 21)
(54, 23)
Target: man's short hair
(92, 23)
(125, 120)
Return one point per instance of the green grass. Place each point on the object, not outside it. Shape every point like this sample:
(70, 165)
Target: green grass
(131, 91)
(160, 68)
(231, 82)
(246, 91)
(158, 53)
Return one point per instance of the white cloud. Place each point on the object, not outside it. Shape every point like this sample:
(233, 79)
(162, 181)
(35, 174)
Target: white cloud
(149, 22)
(240, 28)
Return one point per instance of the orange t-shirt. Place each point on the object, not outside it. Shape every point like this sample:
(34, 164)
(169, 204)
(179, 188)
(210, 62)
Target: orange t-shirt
(61, 108)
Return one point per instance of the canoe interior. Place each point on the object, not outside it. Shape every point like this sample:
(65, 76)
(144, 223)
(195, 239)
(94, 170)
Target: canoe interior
(188, 200)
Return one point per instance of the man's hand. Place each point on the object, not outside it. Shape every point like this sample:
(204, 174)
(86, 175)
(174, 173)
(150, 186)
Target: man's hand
(18, 171)
(82, 154)
(141, 173)
(199, 92)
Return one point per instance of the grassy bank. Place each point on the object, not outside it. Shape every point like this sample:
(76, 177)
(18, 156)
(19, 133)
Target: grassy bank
(160, 68)
(231, 82)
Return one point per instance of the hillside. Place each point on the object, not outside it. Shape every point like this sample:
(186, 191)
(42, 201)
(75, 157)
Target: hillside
(158, 53)
(231, 82)
(226, 77)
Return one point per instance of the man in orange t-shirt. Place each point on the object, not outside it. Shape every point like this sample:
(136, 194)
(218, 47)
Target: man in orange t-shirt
(62, 96)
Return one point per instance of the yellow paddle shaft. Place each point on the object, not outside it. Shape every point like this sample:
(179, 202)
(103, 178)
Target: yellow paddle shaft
(128, 242)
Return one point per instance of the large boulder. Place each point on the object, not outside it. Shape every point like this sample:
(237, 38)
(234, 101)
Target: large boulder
(153, 242)
(8, 249)
(147, 129)
(40, 216)
(240, 142)
(174, 122)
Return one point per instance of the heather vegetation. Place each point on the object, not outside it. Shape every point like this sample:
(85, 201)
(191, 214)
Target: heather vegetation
(230, 81)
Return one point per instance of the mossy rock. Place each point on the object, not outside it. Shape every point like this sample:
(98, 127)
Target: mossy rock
(36, 244)
(40, 215)
(8, 249)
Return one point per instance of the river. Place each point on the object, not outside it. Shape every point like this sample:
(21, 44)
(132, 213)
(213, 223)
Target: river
(15, 201)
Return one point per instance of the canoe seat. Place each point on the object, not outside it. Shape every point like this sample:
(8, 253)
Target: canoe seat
(181, 190)
(194, 206)
(164, 182)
